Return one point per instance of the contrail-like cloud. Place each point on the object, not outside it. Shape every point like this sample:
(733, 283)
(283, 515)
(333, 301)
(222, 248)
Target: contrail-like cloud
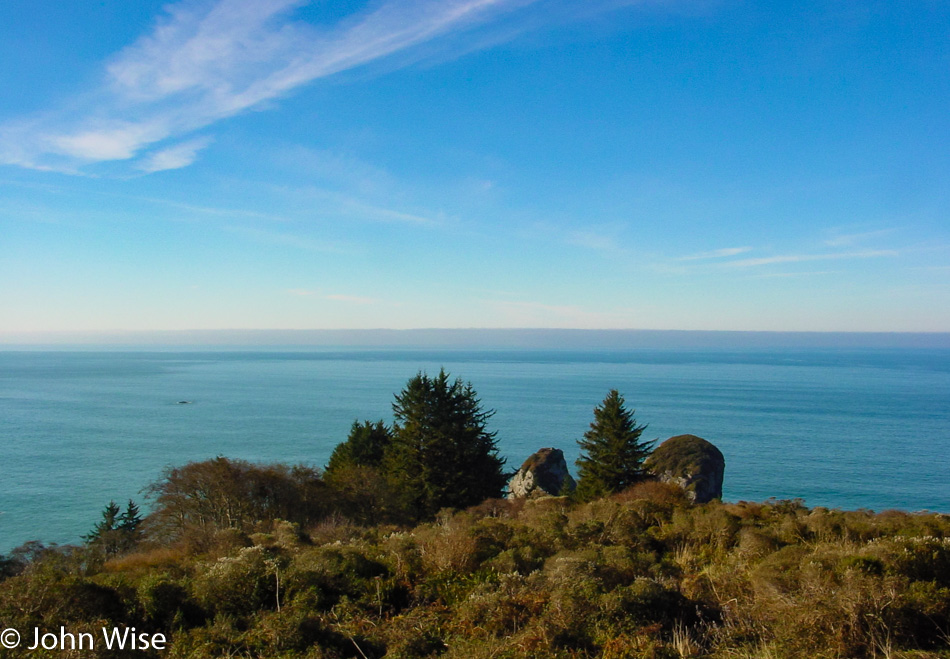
(716, 254)
(204, 62)
(801, 258)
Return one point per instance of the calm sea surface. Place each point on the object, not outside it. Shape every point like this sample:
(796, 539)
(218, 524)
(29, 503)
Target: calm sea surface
(849, 429)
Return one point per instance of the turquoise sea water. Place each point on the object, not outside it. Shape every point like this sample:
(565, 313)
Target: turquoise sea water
(838, 428)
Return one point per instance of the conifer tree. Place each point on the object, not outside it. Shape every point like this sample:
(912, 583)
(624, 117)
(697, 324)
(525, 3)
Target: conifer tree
(129, 521)
(108, 524)
(364, 447)
(442, 454)
(612, 452)
(105, 535)
(117, 531)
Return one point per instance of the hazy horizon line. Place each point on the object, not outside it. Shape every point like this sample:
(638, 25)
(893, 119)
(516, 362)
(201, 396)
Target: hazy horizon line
(522, 338)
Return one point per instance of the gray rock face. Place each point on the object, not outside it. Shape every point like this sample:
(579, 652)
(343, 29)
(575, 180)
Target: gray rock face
(543, 474)
(690, 462)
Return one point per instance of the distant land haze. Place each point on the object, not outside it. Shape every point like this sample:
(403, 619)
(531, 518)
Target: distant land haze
(547, 339)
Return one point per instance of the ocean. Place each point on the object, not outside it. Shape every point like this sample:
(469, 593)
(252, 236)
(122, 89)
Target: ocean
(835, 427)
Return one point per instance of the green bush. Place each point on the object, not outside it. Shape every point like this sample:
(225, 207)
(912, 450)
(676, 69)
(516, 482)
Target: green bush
(641, 574)
(238, 585)
(166, 604)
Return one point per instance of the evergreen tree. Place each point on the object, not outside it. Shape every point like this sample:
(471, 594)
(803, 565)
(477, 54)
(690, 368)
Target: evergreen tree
(105, 535)
(108, 524)
(117, 531)
(612, 453)
(364, 447)
(442, 454)
(353, 474)
(129, 522)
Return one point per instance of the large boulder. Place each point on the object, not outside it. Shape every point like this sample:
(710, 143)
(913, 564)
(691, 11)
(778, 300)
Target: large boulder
(543, 474)
(691, 462)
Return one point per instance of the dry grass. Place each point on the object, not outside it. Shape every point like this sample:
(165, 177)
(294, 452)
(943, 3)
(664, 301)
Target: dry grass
(142, 561)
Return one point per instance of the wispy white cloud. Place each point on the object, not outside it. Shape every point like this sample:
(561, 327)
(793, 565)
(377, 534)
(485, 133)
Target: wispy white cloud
(605, 237)
(716, 254)
(180, 210)
(593, 240)
(204, 62)
(333, 203)
(174, 157)
(349, 188)
(337, 169)
(213, 211)
(848, 239)
(799, 258)
(787, 275)
(110, 141)
(381, 214)
(286, 239)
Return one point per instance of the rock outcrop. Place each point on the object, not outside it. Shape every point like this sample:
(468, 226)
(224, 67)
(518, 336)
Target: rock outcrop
(691, 462)
(543, 474)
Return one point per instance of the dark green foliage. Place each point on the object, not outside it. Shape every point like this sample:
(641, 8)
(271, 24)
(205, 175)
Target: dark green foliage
(641, 574)
(294, 633)
(238, 585)
(320, 578)
(442, 454)
(270, 561)
(363, 496)
(166, 604)
(108, 524)
(20, 558)
(612, 452)
(9, 567)
(353, 473)
(364, 447)
(645, 601)
(130, 520)
(31, 551)
(117, 531)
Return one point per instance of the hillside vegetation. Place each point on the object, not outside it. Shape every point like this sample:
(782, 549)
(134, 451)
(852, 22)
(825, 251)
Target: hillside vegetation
(402, 549)
(644, 573)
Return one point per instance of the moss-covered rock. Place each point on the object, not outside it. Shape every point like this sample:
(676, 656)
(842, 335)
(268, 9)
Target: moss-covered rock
(693, 463)
(544, 473)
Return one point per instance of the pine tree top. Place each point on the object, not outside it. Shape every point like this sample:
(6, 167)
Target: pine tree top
(612, 451)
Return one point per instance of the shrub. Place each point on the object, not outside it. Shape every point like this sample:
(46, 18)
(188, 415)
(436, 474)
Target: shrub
(323, 576)
(166, 604)
(238, 585)
(234, 494)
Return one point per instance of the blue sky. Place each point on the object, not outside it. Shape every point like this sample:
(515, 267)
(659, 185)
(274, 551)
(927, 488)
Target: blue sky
(682, 164)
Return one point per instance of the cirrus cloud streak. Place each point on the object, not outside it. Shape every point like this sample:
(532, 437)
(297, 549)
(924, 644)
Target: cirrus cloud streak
(205, 62)
(799, 258)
